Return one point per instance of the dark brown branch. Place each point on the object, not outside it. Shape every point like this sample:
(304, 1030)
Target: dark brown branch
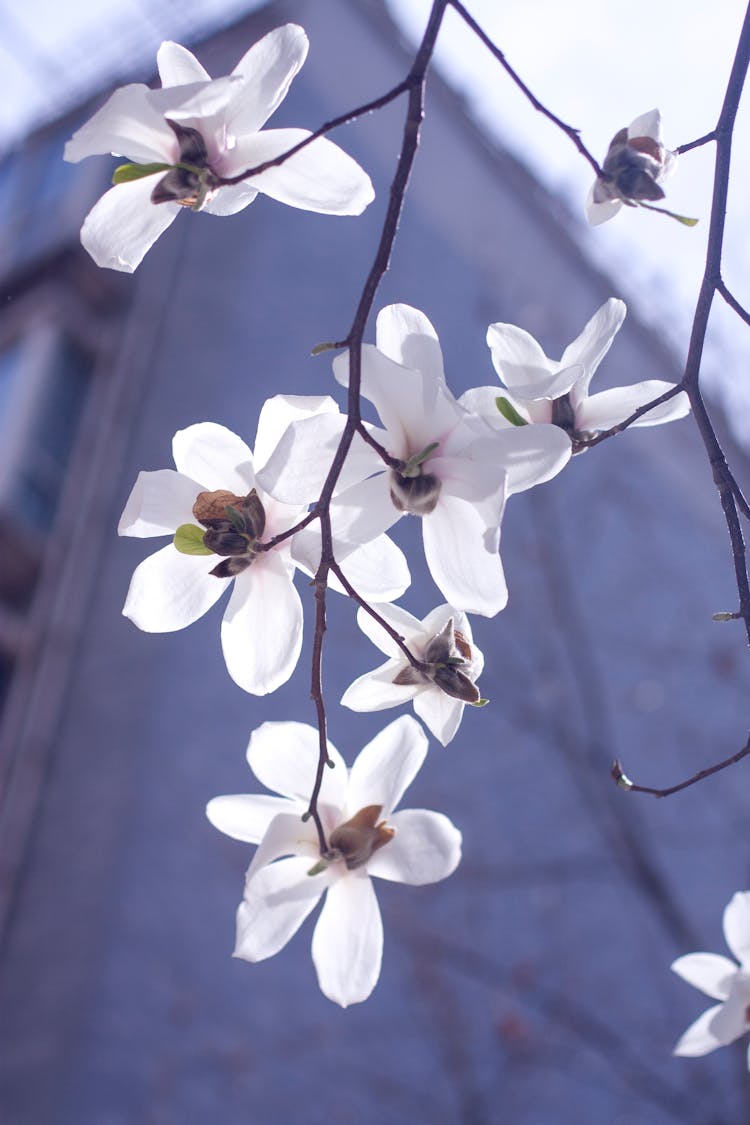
(269, 544)
(580, 444)
(732, 301)
(392, 633)
(625, 783)
(392, 462)
(569, 131)
(697, 143)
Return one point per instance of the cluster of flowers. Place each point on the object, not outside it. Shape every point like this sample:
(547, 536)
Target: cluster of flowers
(242, 516)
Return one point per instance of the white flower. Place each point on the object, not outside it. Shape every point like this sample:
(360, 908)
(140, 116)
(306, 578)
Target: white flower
(261, 633)
(215, 127)
(440, 693)
(634, 167)
(549, 390)
(365, 838)
(457, 471)
(722, 980)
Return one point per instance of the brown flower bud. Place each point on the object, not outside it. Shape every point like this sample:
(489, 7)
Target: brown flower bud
(418, 494)
(357, 839)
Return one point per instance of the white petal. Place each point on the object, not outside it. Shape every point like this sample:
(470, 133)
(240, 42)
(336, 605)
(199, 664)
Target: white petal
(261, 634)
(246, 816)
(737, 926)
(709, 972)
(347, 945)
(280, 411)
(358, 515)
(647, 125)
(699, 1039)
(461, 552)
(158, 504)
(609, 408)
(729, 1022)
(591, 346)
(201, 105)
(287, 834)
(284, 757)
(376, 691)
(518, 358)
(404, 623)
(301, 460)
(598, 213)
(170, 590)
(268, 69)
(378, 570)
(425, 849)
(386, 766)
(123, 226)
(532, 454)
(229, 200)
(440, 713)
(483, 401)
(178, 66)
(277, 903)
(215, 456)
(128, 124)
(406, 336)
(320, 177)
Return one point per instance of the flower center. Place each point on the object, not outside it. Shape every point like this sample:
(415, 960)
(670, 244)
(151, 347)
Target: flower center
(444, 655)
(563, 414)
(234, 526)
(192, 182)
(632, 167)
(417, 494)
(357, 839)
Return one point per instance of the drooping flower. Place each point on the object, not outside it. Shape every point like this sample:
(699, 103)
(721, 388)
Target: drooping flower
(440, 691)
(195, 132)
(722, 980)
(453, 470)
(548, 390)
(635, 165)
(365, 838)
(219, 519)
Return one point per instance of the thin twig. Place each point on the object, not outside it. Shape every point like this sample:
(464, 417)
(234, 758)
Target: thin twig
(574, 134)
(697, 143)
(392, 462)
(392, 633)
(732, 301)
(625, 783)
(580, 444)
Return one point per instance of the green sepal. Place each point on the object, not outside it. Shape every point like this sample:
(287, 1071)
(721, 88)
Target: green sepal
(327, 346)
(188, 539)
(686, 222)
(509, 412)
(480, 703)
(724, 616)
(125, 173)
(318, 868)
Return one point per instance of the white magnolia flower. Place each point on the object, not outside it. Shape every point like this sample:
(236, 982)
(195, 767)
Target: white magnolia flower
(548, 390)
(365, 838)
(441, 692)
(722, 980)
(634, 167)
(215, 128)
(220, 510)
(456, 471)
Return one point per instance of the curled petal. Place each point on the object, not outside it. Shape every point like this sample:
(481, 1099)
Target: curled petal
(158, 504)
(608, 408)
(245, 816)
(647, 125)
(215, 456)
(123, 226)
(169, 590)
(268, 69)
(261, 634)
(709, 972)
(600, 211)
(406, 336)
(284, 757)
(425, 849)
(347, 945)
(386, 767)
(178, 66)
(275, 906)
(590, 347)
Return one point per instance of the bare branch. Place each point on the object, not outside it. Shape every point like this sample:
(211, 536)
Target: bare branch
(697, 143)
(732, 301)
(624, 782)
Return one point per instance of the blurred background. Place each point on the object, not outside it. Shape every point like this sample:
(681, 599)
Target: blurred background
(533, 986)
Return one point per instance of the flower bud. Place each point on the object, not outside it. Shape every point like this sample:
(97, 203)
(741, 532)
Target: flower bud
(357, 839)
(234, 526)
(415, 494)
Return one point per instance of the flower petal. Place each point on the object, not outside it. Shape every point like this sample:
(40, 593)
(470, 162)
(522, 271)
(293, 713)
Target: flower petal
(709, 972)
(425, 849)
(440, 713)
(386, 766)
(246, 816)
(600, 212)
(287, 834)
(268, 69)
(261, 634)
(178, 66)
(461, 552)
(609, 408)
(737, 926)
(215, 456)
(279, 411)
(128, 124)
(320, 177)
(729, 1022)
(229, 200)
(376, 691)
(159, 502)
(647, 125)
(276, 904)
(169, 590)
(377, 570)
(532, 454)
(284, 757)
(483, 401)
(347, 946)
(123, 226)
(408, 626)
(518, 358)
(406, 336)
(699, 1039)
(590, 347)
